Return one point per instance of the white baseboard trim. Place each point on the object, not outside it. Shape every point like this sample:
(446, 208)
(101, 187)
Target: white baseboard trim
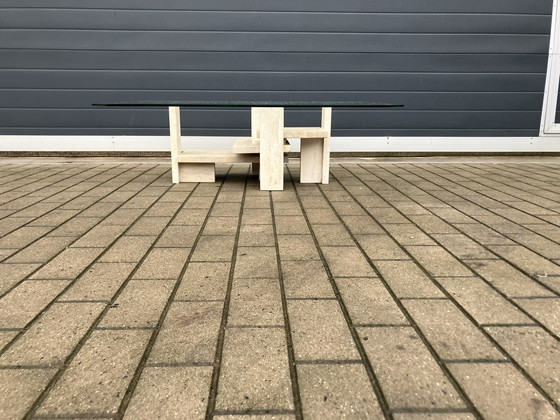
(339, 144)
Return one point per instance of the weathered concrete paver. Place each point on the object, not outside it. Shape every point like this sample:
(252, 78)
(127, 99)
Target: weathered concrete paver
(171, 392)
(255, 373)
(498, 390)
(337, 391)
(96, 379)
(407, 372)
(425, 289)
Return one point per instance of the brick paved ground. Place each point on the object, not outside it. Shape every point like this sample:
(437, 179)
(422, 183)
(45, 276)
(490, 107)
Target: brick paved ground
(409, 290)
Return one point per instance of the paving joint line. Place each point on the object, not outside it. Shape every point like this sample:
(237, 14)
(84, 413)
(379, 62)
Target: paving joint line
(218, 354)
(294, 379)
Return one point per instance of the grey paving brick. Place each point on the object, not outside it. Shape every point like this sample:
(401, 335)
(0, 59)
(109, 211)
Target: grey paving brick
(433, 416)
(100, 282)
(256, 235)
(11, 223)
(547, 230)
(148, 226)
(438, 262)
(20, 388)
(369, 302)
(306, 279)
(319, 331)
(536, 351)
(362, 225)
(483, 303)
(52, 337)
(100, 209)
(337, 391)
(408, 374)
(551, 281)
(173, 197)
(5, 253)
(214, 248)
(171, 393)
(199, 202)
(546, 311)
(527, 260)
(507, 279)
(161, 209)
(347, 262)
(291, 225)
(348, 208)
(314, 202)
(128, 249)
(221, 226)
(189, 333)
(410, 208)
(297, 247)
(537, 243)
(450, 332)
(126, 312)
(26, 301)
(226, 209)
(122, 217)
(6, 337)
(408, 234)
(190, 217)
(53, 218)
(42, 250)
(256, 262)
(163, 263)
(255, 302)
(226, 197)
(178, 237)
(463, 247)
(483, 234)
(255, 417)
(204, 280)
(287, 208)
(98, 376)
(100, 236)
(332, 235)
(210, 190)
(256, 201)
(381, 247)
(321, 216)
(407, 280)
(257, 216)
(255, 373)
(68, 264)
(498, 390)
(23, 236)
(432, 224)
(451, 215)
(75, 227)
(11, 274)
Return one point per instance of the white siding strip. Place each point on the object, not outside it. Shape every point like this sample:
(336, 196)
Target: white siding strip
(339, 144)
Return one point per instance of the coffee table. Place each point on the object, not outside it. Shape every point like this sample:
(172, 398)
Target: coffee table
(271, 134)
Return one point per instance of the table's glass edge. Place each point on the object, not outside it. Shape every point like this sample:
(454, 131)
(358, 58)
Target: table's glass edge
(243, 104)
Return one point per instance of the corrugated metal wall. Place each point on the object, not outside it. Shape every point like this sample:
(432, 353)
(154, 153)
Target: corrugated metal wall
(462, 68)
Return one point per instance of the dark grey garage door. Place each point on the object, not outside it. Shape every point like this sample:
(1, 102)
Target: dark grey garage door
(462, 68)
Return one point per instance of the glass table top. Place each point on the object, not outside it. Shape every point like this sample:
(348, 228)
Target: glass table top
(264, 104)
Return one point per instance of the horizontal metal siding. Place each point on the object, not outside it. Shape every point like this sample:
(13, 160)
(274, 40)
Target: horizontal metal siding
(461, 68)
